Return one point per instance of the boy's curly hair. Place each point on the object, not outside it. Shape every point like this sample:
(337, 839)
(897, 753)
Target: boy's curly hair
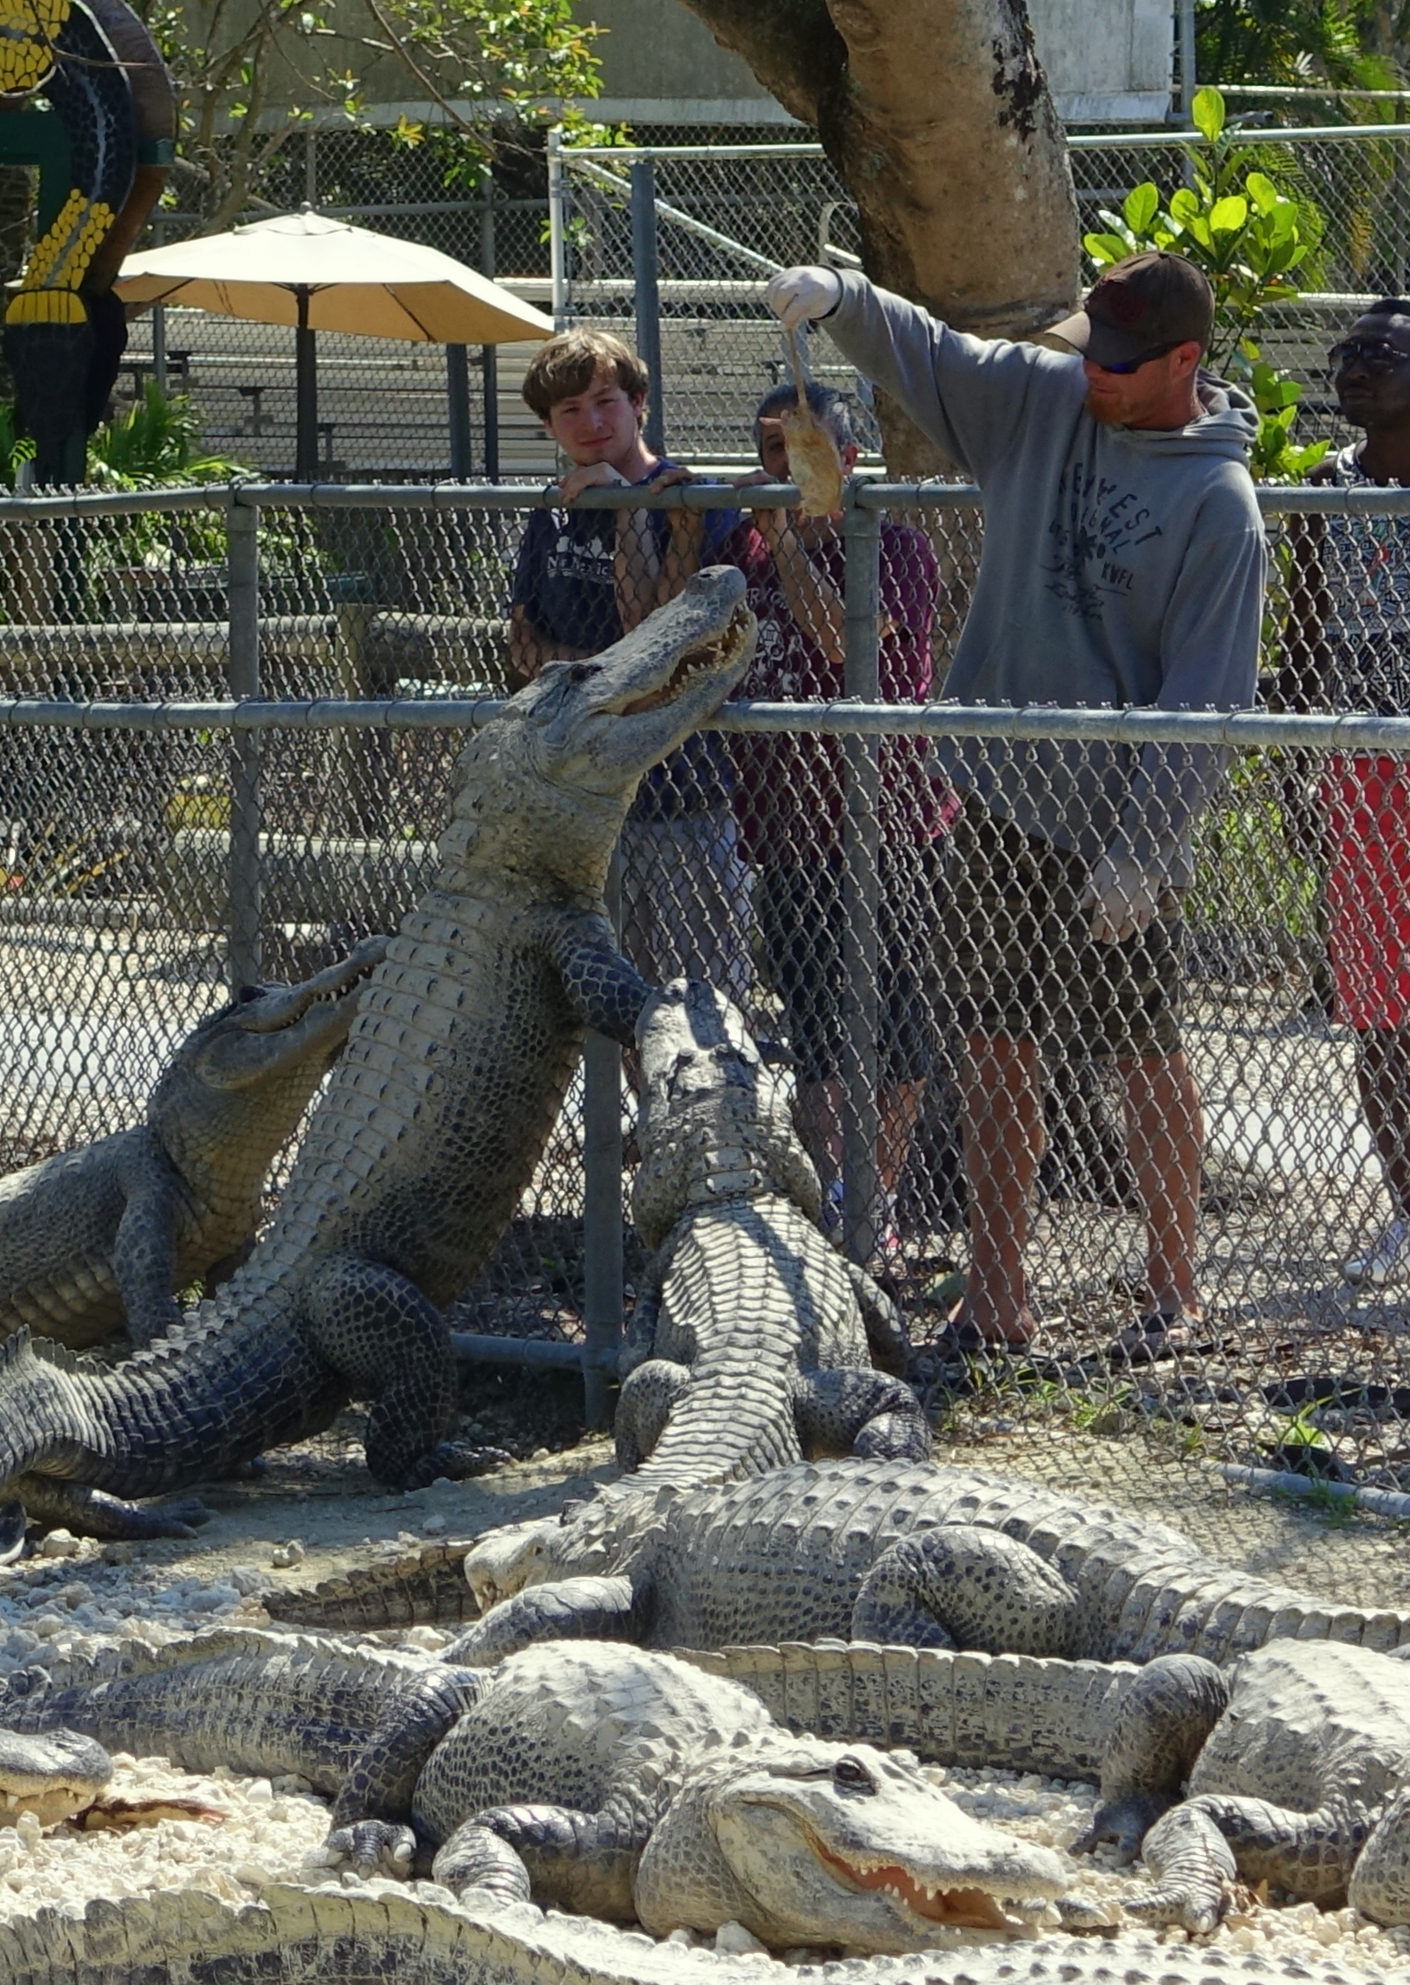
(569, 363)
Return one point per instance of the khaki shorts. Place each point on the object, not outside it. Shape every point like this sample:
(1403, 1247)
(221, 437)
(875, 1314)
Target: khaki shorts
(1018, 957)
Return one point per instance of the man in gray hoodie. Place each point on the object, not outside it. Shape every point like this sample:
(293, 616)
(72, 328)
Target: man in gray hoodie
(1123, 565)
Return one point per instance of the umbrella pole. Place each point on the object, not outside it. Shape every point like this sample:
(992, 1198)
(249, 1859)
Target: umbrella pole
(305, 395)
(458, 392)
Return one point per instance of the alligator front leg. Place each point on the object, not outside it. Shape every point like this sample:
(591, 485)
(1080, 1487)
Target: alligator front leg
(50, 1501)
(378, 1331)
(604, 991)
(888, 1340)
(583, 1862)
(866, 1414)
(563, 1609)
(144, 1247)
(1164, 1720)
(961, 1585)
(368, 1822)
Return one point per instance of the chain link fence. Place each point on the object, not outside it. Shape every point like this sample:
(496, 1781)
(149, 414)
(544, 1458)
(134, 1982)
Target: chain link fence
(165, 843)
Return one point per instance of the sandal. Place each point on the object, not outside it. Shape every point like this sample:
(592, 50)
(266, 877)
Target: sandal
(1161, 1334)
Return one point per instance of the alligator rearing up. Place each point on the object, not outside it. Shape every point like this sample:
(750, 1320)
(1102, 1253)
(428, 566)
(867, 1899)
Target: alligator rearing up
(456, 1067)
(95, 1238)
(752, 1337)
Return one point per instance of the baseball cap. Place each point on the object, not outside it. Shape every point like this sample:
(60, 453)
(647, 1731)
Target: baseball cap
(1144, 305)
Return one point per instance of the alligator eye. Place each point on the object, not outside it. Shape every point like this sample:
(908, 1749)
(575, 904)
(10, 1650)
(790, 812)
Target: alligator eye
(853, 1774)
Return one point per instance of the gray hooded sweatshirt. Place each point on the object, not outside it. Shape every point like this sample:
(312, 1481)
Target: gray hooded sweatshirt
(1122, 566)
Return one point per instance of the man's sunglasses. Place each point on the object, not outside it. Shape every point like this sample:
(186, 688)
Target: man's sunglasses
(1135, 364)
(1372, 354)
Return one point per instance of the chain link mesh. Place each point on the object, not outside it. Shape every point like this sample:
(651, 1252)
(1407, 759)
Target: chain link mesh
(851, 899)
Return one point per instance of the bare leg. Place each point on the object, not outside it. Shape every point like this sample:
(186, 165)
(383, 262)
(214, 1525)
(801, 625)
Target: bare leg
(1383, 1078)
(1001, 1099)
(1165, 1137)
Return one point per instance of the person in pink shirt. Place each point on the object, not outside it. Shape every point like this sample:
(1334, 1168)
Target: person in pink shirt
(789, 802)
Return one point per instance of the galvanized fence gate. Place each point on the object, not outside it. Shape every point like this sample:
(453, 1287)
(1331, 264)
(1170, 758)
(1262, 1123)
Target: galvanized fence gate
(228, 739)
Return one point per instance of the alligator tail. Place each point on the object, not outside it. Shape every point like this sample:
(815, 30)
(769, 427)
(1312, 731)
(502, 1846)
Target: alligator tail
(197, 1401)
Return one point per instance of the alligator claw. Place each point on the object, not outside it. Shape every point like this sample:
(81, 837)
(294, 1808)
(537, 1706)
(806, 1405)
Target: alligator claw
(454, 1461)
(372, 1847)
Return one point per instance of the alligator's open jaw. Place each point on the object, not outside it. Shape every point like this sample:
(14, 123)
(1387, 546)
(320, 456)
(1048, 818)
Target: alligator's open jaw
(707, 658)
(285, 1006)
(965, 1908)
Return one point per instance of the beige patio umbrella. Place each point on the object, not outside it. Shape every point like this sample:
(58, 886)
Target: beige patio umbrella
(318, 274)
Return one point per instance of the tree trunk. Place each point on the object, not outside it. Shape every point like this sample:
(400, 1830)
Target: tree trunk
(937, 116)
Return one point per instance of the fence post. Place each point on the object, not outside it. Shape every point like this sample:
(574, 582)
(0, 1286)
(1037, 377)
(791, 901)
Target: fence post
(557, 229)
(646, 279)
(602, 1199)
(489, 356)
(242, 526)
(861, 886)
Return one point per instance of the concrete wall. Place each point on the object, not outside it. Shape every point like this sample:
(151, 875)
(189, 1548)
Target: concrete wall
(1107, 61)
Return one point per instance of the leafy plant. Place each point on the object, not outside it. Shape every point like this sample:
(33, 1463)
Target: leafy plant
(1248, 237)
(14, 448)
(155, 445)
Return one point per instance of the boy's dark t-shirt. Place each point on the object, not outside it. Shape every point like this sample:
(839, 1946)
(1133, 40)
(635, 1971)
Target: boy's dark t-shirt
(566, 583)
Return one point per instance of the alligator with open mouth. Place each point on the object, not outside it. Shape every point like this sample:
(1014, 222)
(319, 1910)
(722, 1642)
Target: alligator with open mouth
(456, 1067)
(101, 1238)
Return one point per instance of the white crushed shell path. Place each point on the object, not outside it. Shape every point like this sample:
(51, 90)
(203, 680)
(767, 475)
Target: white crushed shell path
(273, 1832)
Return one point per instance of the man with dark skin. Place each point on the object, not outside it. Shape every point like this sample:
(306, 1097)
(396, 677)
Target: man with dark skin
(1349, 648)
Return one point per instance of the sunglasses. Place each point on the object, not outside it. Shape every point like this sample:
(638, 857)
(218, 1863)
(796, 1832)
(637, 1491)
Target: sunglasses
(1373, 355)
(1135, 364)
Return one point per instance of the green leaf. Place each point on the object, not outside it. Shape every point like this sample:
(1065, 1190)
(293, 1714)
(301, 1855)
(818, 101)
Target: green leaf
(1263, 193)
(1208, 113)
(1140, 206)
(1228, 215)
(1184, 205)
(1106, 247)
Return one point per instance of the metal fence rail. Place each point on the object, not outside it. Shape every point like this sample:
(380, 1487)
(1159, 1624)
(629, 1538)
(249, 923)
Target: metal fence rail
(228, 729)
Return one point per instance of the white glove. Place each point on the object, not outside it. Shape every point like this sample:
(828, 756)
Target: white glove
(797, 295)
(1122, 898)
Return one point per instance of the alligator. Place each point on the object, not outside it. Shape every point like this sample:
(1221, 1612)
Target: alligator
(1298, 1768)
(752, 1338)
(887, 1551)
(102, 1237)
(455, 1070)
(604, 1780)
(367, 1935)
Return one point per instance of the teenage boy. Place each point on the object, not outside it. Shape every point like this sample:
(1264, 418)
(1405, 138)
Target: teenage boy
(584, 579)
